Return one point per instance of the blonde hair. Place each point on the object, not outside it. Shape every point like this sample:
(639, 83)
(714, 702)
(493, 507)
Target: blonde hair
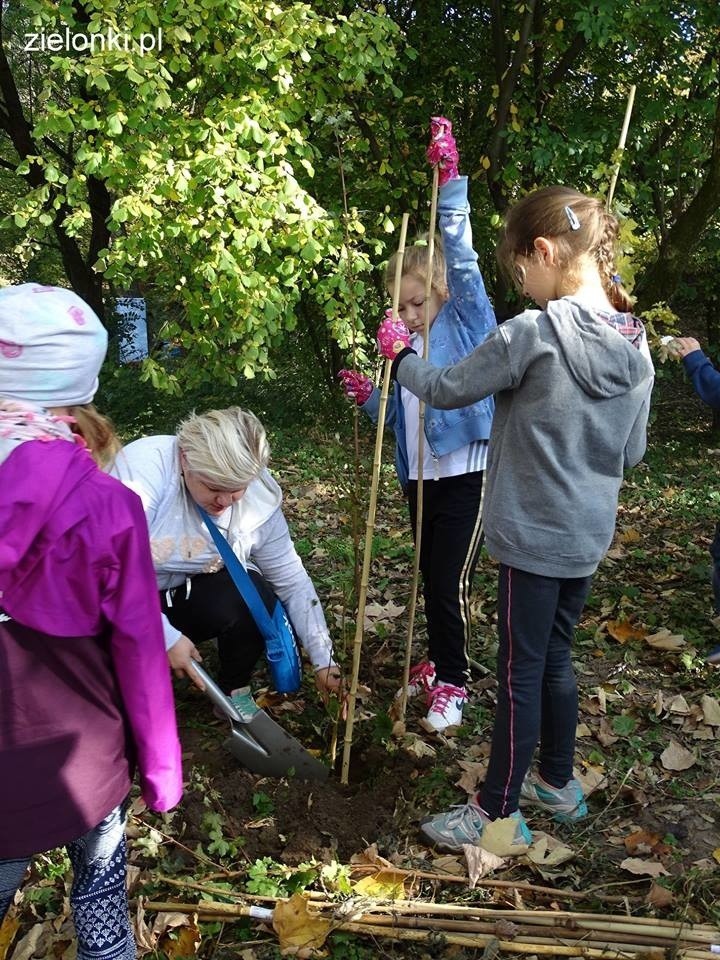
(415, 263)
(97, 431)
(579, 227)
(228, 448)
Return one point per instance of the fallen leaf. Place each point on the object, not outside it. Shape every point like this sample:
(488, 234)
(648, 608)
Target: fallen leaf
(664, 640)
(376, 612)
(591, 779)
(182, 943)
(623, 630)
(448, 864)
(583, 730)
(498, 836)
(678, 705)
(473, 774)
(711, 710)
(383, 885)
(629, 535)
(644, 868)
(296, 927)
(605, 735)
(641, 841)
(416, 746)
(481, 862)
(677, 757)
(8, 929)
(546, 851)
(659, 896)
(35, 942)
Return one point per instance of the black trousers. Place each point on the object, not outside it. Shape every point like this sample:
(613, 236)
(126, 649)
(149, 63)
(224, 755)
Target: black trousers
(537, 690)
(451, 540)
(214, 608)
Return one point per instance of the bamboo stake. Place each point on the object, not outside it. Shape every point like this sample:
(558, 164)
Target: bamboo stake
(421, 451)
(370, 526)
(621, 147)
(525, 940)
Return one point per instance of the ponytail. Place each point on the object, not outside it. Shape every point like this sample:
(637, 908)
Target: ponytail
(97, 431)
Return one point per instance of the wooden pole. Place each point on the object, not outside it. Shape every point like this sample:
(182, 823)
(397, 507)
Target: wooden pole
(621, 147)
(370, 525)
(421, 451)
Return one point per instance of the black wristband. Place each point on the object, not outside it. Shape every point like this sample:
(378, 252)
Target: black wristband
(398, 358)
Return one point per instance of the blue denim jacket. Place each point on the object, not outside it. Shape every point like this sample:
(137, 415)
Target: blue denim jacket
(462, 324)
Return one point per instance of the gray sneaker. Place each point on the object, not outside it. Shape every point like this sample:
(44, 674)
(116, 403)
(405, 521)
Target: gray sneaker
(565, 804)
(464, 824)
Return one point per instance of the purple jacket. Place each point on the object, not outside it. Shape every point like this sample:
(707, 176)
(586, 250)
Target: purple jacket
(85, 690)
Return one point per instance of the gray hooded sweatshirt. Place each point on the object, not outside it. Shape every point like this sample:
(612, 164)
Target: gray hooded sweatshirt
(572, 400)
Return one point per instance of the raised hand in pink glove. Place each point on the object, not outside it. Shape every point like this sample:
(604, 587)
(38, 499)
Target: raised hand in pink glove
(442, 150)
(356, 385)
(392, 336)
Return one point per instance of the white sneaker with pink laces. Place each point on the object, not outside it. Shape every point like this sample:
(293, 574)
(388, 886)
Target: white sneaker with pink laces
(421, 680)
(446, 707)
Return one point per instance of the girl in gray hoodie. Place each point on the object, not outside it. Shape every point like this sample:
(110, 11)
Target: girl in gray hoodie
(572, 385)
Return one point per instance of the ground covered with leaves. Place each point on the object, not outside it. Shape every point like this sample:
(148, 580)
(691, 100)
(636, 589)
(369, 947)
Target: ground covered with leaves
(647, 750)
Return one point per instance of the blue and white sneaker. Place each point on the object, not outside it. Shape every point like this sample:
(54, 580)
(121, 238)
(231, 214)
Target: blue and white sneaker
(565, 804)
(464, 824)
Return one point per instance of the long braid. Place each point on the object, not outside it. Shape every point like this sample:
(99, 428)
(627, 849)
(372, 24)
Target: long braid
(605, 255)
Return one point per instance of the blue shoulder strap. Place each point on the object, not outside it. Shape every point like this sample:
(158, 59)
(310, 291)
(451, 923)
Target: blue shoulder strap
(241, 578)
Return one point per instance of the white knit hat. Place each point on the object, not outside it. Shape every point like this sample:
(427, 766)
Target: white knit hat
(52, 346)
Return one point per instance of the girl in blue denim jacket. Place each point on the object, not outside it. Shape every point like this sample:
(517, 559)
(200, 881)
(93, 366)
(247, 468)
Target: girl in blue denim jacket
(455, 448)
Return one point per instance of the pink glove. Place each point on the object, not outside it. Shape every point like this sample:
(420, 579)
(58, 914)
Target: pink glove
(356, 386)
(392, 336)
(442, 149)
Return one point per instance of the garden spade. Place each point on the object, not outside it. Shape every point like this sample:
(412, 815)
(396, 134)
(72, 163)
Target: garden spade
(261, 744)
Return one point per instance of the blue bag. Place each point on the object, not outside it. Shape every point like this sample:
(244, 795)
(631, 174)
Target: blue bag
(281, 648)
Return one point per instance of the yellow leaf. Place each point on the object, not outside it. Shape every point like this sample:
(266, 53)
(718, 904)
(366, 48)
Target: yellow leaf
(383, 885)
(8, 929)
(297, 927)
(629, 535)
(559, 24)
(716, 854)
(485, 163)
(219, 45)
(516, 36)
(184, 942)
(495, 91)
(498, 836)
(623, 630)
(513, 108)
(516, 126)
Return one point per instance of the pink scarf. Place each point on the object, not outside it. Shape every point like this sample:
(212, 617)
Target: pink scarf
(21, 421)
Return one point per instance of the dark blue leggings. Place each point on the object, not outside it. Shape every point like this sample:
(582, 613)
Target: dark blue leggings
(98, 897)
(537, 690)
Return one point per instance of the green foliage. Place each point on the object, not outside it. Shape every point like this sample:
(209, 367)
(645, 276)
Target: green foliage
(208, 152)
(219, 845)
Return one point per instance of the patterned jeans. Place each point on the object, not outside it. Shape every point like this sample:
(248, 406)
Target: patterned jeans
(99, 895)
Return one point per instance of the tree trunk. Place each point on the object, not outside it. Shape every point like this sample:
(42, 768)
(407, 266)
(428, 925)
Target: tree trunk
(660, 282)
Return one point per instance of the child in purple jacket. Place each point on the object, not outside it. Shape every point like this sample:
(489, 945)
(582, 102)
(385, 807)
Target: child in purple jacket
(706, 382)
(86, 697)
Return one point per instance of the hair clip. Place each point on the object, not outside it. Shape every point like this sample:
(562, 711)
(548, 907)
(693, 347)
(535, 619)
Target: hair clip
(572, 218)
(616, 278)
